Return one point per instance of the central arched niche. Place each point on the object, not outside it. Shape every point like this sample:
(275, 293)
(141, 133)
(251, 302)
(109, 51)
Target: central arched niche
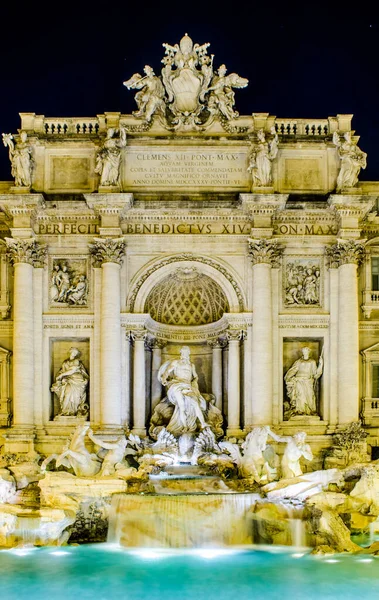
(186, 296)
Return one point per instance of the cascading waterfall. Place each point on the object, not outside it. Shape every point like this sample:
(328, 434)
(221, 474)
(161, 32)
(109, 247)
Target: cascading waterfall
(181, 521)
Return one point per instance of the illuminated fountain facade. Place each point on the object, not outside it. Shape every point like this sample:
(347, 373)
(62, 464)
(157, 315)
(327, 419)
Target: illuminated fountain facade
(243, 246)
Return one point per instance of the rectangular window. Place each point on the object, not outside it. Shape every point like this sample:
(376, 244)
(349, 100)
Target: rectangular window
(375, 273)
(375, 381)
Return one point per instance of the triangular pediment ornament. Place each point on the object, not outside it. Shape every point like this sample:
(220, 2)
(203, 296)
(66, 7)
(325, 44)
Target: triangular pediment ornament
(189, 94)
(371, 350)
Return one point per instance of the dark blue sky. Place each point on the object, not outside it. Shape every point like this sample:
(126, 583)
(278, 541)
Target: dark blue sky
(301, 60)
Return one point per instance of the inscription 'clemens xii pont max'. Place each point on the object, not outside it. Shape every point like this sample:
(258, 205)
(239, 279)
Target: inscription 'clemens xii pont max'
(204, 168)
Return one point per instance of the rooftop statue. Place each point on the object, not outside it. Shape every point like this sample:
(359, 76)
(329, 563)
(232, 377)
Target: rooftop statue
(189, 92)
(21, 159)
(353, 159)
(261, 157)
(108, 159)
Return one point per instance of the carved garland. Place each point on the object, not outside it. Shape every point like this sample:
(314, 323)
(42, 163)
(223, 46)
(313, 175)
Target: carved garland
(185, 257)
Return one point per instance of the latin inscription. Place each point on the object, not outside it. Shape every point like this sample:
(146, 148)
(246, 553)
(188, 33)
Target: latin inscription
(304, 229)
(188, 228)
(67, 228)
(204, 168)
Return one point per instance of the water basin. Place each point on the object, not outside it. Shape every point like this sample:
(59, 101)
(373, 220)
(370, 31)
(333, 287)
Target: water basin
(102, 571)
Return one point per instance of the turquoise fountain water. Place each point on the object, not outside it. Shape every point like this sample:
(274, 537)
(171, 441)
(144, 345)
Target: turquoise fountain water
(102, 571)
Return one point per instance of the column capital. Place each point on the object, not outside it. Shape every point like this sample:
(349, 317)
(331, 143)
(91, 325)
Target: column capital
(138, 335)
(265, 251)
(156, 344)
(26, 251)
(218, 343)
(345, 252)
(106, 250)
(235, 335)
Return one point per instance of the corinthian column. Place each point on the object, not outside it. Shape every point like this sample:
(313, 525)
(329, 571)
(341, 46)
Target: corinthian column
(217, 346)
(264, 254)
(234, 388)
(24, 254)
(156, 362)
(347, 256)
(139, 382)
(108, 253)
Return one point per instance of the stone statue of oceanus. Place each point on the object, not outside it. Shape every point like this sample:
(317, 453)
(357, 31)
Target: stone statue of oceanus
(190, 94)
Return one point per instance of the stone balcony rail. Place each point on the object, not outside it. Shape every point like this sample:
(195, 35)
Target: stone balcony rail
(370, 302)
(370, 412)
(303, 127)
(92, 126)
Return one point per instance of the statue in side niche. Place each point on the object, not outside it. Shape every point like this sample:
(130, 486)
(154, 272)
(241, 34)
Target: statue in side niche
(150, 98)
(261, 157)
(353, 159)
(300, 381)
(180, 379)
(70, 386)
(221, 95)
(108, 160)
(21, 158)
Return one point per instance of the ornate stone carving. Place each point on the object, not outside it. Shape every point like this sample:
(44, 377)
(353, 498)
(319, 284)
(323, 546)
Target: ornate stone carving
(302, 283)
(187, 256)
(345, 252)
(218, 343)
(186, 297)
(68, 283)
(107, 250)
(189, 93)
(265, 251)
(352, 161)
(261, 157)
(138, 335)
(300, 381)
(70, 386)
(21, 159)
(26, 251)
(108, 160)
(235, 335)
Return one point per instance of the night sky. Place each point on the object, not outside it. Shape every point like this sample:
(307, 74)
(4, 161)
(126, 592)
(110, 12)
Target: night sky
(301, 61)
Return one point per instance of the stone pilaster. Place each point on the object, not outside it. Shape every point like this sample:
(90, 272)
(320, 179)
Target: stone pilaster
(108, 254)
(139, 382)
(234, 385)
(265, 254)
(111, 208)
(156, 362)
(347, 256)
(24, 254)
(217, 346)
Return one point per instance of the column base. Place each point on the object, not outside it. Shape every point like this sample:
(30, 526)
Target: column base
(108, 430)
(141, 431)
(235, 432)
(20, 440)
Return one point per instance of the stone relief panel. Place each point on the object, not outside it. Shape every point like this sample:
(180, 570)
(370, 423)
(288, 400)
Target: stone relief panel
(67, 172)
(303, 364)
(68, 282)
(70, 367)
(302, 282)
